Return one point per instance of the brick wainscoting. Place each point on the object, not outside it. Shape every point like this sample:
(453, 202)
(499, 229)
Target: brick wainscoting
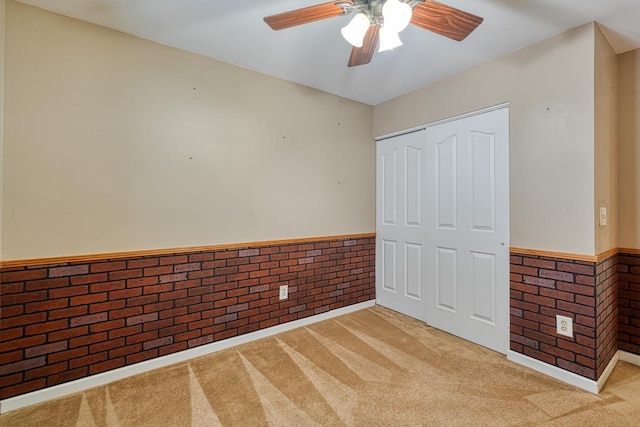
(629, 302)
(543, 287)
(65, 321)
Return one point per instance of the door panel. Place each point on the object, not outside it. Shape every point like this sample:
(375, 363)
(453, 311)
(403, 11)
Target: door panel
(413, 270)
(483, 279)
(445, 169)
(389, 263)
(389, 187)
(482, 181)
(400, 244)
(447, 279)
(473, 302)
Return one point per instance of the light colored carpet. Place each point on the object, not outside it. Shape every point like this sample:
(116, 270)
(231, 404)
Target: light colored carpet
(374, 367)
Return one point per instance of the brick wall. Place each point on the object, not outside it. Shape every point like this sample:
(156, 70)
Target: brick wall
(541, 288)
(67, 321)
(629, 302)
(606, 312)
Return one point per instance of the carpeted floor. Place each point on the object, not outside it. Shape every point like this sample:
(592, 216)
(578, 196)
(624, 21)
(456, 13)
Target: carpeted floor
(369, 368)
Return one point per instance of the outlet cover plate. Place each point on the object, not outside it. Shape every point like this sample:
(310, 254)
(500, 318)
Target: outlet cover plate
(564, 326)
(284, 292)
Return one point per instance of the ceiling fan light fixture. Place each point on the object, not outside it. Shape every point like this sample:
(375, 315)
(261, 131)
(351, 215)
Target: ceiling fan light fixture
(396, 14)
(389, 39)
(355, 31)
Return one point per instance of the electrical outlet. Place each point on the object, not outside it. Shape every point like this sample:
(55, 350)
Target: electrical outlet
(564, 326)
(284, 291)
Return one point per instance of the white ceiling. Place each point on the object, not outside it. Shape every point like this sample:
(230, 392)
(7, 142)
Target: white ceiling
(316, 55)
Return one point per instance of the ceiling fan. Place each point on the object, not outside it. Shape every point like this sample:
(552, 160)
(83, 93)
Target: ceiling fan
(381, 21)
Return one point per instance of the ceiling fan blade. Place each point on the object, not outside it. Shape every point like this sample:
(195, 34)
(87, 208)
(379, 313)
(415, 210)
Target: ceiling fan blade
(305, 15)
(362, 55)
(444, 20)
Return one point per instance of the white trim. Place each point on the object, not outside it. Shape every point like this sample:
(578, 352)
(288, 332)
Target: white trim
(608, 370)
(439, 122)
(103, 378)
(625, 356)
(554, 372)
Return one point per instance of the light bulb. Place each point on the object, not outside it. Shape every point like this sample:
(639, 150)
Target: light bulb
(355, 31)
(389, 39)
(396, 14)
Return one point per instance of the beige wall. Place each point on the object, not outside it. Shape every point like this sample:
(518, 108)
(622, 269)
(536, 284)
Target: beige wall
(2, 24)
(606, 142)
(550, 88)
(629, 146)
(114, 143)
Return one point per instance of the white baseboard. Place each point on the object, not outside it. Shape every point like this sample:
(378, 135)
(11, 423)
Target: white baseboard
(571, 378)
(103, 378)
(608, 370)
(554, 372)
(634, 359)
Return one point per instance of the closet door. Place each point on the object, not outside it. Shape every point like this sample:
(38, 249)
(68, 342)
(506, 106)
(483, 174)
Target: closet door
(400, 246)
(467, 227)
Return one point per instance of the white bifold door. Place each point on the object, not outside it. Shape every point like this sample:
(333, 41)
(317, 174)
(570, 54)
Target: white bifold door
(443, 226)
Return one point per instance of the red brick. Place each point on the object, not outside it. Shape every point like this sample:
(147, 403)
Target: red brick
(108, 266)
(45, 349)
(537, 299)
(142, 319)
(89, 278)
(27, 319)
(576, 268)
(22, 275)
(176, 259)
(125, 312)
(125, 274)
(67, 355)
(142, 337)
(87, 320)
(124, 351)
(106, 306)
(142, 281)
(556, 275)
(68, 292)
(125, 293)
(124, 332)
(67, 376)
(106, 345)
(23, 298)
(180, 268)
(87, 339)
(107, 326)
(142, 263)
(68, 333)
(23, 365)
(46, 305)
(576, 308)
(538, 281)
(71, 270)
(108, 286)
(106, 365)
(156, 271)
(200, 274)
(577, 348)
(226, 254)
(207, 256)
(176, 277)
(89, 299)
(10, 288)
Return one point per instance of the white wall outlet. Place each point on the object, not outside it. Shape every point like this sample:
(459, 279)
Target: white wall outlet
(284, 291)
(564, 325)
(603, 216)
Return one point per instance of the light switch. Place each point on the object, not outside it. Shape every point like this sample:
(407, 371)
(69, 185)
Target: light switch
(603, 216)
